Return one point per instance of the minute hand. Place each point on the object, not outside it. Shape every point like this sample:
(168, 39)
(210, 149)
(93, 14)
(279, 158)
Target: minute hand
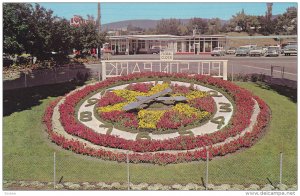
(145, 99)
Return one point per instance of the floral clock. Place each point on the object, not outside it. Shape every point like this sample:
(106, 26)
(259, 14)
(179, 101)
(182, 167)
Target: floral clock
(157, 118)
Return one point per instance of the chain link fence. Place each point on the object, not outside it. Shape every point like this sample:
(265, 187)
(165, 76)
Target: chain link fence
(61, 171)
(55, 75)
(272, 72)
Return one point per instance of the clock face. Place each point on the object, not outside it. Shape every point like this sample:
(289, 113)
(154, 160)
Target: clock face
(156, 110)
(157, 121)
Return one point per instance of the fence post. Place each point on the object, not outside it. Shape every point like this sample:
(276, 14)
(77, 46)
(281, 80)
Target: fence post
(282, 72)
(55, 75)
(280, 169)
(225, 69)
(54, 169)
(232, 73)
(99, 71)
(103, 66)
(68, 72)
(206, 177)
(128, 176)
(271, 71)
(25, 79)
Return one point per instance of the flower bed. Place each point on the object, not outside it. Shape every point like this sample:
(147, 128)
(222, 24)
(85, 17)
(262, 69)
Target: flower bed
(140, 149)
(159, 115)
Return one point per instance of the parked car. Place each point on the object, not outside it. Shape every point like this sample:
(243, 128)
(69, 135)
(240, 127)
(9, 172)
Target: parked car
(290, 50)
(265, 50)
(257, 51)
(154, 50)
(273, 51)
(218, 51)
(250, 46)
(242, 51)
(231, 50)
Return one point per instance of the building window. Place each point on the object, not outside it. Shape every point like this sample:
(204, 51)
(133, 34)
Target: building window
(187, 48)
(207, 46)
(192, 46)
(179, 47)
(214, 44)
(141, 44)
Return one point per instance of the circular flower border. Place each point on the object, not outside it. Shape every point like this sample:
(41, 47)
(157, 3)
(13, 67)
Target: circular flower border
(148, 150)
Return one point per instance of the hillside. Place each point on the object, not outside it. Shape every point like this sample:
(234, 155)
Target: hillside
(144, 23)
(232, 42)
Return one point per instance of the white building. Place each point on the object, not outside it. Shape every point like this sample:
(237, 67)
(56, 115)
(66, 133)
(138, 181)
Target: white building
(141, 44)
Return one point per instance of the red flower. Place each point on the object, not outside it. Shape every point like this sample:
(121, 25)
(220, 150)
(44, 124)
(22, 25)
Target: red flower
(110, 98)
(241, 119)
(142, 87)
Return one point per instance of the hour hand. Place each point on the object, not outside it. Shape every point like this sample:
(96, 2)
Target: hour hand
(176, 98)
(145, 99)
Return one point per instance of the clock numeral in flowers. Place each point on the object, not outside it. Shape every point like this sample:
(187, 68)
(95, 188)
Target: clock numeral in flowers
(214, 94)
(102, 92)
(109, 128)
(220, 120)
(225, 107)
(85, 116)
(91, 101)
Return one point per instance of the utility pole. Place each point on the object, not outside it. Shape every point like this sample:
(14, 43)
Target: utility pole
(99, 19)
(99, 31)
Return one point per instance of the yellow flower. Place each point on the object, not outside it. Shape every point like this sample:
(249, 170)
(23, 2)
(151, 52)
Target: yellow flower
(189, 111)
(178, 94)
(129, 95)
(116, 107)
(149, 118)
(158, 88)
(196, 94)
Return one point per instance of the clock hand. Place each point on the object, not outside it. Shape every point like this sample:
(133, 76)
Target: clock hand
(146, 99)
(176, 98)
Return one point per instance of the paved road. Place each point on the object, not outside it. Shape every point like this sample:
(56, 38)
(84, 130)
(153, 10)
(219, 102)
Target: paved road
(236, 64)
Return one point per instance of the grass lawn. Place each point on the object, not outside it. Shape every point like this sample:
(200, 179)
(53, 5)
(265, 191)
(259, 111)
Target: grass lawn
(233, 42)
(28, 154)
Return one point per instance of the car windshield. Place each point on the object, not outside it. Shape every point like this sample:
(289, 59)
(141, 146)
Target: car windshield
(291, 47)
(258, 48)
(217, 48)
(271, 49)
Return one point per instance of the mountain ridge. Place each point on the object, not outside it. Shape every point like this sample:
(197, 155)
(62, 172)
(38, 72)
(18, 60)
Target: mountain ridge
(142, 23)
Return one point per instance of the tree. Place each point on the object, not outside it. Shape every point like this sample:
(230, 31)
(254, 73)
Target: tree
(16, 30)
(60, 36)
(87, 37)
(183, 30)
(168, 26)
(287, 22)
(239, 20)
(197, 23)
(34, 30)
(41, 25)
(214, 26)
(267, 26)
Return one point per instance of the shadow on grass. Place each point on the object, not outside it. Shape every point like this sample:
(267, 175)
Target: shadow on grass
(286, 91)
(17, 100)
(282, 86)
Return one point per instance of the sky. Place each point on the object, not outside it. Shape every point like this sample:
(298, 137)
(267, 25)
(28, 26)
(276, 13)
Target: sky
(112, 12)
